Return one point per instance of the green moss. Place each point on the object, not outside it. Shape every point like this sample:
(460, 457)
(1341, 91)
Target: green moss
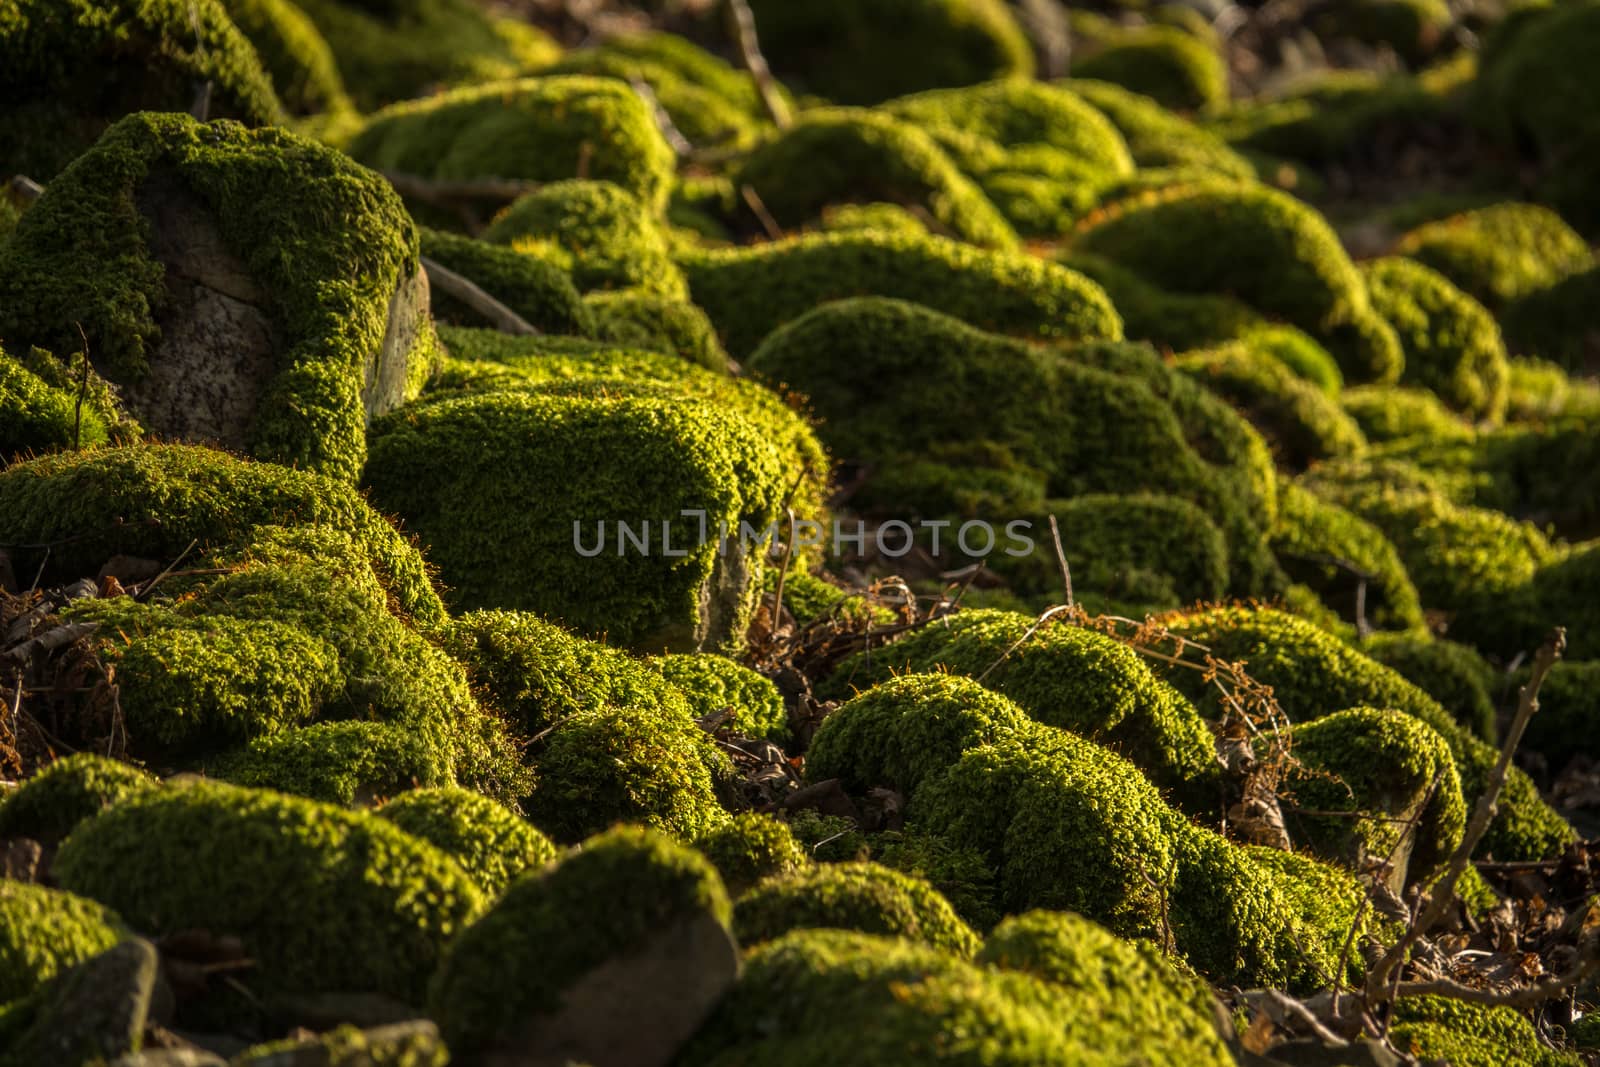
(1451, 342)
(40, 408)
(750, 847)
(83, 256)
(1329, 117)
(65, 792)
(1395, 773)
(455, 468)
(44, 932)
(810, 598)
(751, 292)
(1395, 412)
(1314, 674)
(1471, 1035)
(349, 1046)
(278, 873)
(543, 129)
(1501, 253)
(1301, 422)
(851, 896)
(879, 217)
(1152, 1010)
(1569, 708)
(1168, 320)
(1157, 137)
(1558, 321)
(1452, 673)
(1259, 245)
(637, 319)
(546, 932)
(392, 49)
(346, 763)
(717, 686)
(598, 230)
(1063, 676)
(1557, 594)
(1539, 389)
(1530, 92)
(1320, 545)
(151, 501)
(541, 292)
(1172, 67)
(833, 156)
(294, 54)
(59, 58)
(493, 843)
(1415, 29)
(864, 54)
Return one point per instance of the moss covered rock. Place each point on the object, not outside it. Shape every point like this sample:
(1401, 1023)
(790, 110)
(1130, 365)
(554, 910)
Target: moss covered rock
(1471, 1035)
(1164, 63)
(295, 55)
(1392, 413)
(278, 873)
(1569, 708)
(607, 900)
(348, 763)
(1558, 322)
(67, 791)
(719, 688)
(542, 129)
(493, 843)
(1556, 594)
(540, 291)
(168, 226)
(1452, 673)
(40, 409)
(72, 69)
(44, 932)
(1157, 137)
(635, 319)
(750, 847)
(1499, 253)
(750, 292)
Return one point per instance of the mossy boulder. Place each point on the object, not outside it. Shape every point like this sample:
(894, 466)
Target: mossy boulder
(600, 232)
(44, 932)
(751, 292)
(40, 408)
(1557, 594)
(173, 242)
(1452, 673)
(1157, 137)
(718, 688)
(1395, 412)
(541, 129)
(1558, 322)
(632, 318)
(1173, 67)
(540, 291)
(295, 56)
(350, 763)
(66, 791)
(1169, 320)
(611, 899)
(1258, 244)
(1414, 29)
(1451, 342)
(152, 501)
(493, 843)
(751, 847)
(859, 54)
(395, 49)
(1499, 253)
(1569, 708)
(279, 873)
(832, 156)
(1471, 1035)
(68, 70)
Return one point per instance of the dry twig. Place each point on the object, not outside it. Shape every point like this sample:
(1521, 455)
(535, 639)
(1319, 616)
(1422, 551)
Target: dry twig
(742, 24)
(469, 293)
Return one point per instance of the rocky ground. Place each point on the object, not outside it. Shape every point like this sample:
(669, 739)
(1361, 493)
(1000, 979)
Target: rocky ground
(758, 533)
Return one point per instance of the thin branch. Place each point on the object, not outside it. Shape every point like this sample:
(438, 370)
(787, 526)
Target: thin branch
(669, 129)
(742, 24)
(468, 292)
(1061, 558)
(759, 207)
(1531, 996)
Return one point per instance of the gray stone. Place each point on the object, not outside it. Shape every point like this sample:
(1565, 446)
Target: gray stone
(96, 1010)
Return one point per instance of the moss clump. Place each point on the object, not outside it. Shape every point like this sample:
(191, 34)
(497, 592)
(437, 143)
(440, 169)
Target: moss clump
(660, 461)
(1451, 342)
(349, 1046)
(1393, 413)
(1500, 253)
(1558, 322)
(1166, 64)
(1320, 545)
(346, 763)
(1150, 1008)
(64, 793)
(540, 291)
(151, 501)
(1415, 29)
(1168, 320)
(833, 156)
(852, 896)
(1556, 595)
(279, 873)
(1259, 245)
(720, 689)
(1300, 421)
(493, 843)
(546, 932)
(637, 319)
(1452, 673)
(1471, 1035)
(542, 129)
(1569, 709)
(1313, 674)
(1062, 676)
(751, 847)
(295, 55)
(40, 412)
(83, 255)
(600, 232)
(751, 292)
(1392, 770)
(394, 49)
(44, 932)
(1157, 137)
(865, 54)
(68, 70)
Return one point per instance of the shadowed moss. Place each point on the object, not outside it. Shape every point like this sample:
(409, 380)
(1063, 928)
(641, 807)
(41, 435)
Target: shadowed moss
(717, 688)
(1569, 710)
(750, 847)
(1415, 29)
(543, 129)
(1395, 412)
(279, 873)
(493, 843)
(1157, 137)
(44, 932)
(1321, 546)
(1172, 67)
(1499, 253)
(294, 54)
(1450, 672)
(636, 319)
(1558, 322)
(541, 292)
(1471, 1035)
(69, 69)
(66, 791)
(545, 933)
(1559, 593)
(40, 409)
